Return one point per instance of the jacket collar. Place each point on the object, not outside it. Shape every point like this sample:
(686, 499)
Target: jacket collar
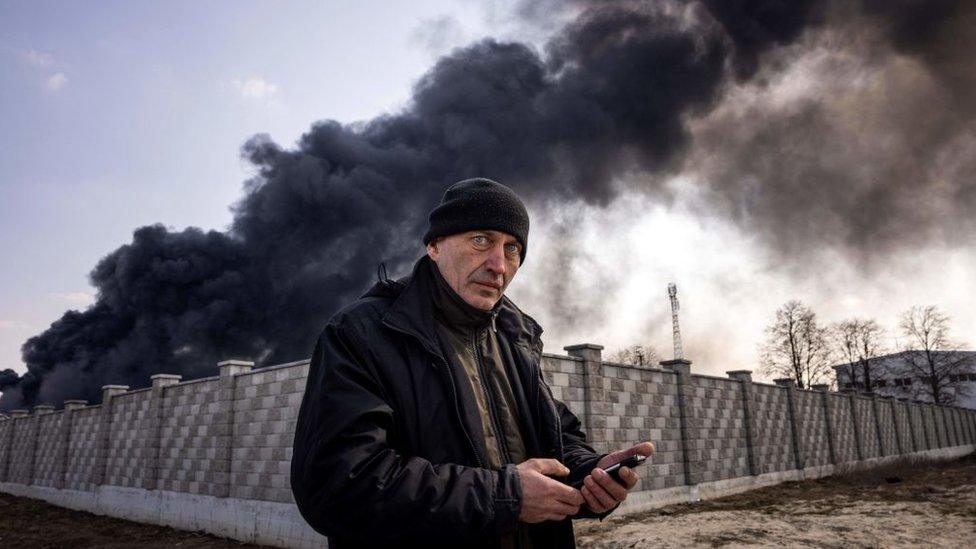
(413, 311)
(452, 310)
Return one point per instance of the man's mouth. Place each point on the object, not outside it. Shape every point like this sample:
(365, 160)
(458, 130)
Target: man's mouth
(488, 285)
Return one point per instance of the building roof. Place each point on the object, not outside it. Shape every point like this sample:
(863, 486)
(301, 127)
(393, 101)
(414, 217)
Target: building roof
(900, 354)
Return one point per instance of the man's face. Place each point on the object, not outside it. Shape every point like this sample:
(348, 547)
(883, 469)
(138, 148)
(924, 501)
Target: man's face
(478, 265)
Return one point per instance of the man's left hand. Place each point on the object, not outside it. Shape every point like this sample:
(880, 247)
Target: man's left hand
(600, 491)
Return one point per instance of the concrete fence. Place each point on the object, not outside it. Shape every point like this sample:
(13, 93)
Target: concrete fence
(213, 454)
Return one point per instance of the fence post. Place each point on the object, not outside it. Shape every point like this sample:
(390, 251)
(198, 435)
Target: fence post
(957, 414)
(229, 370)
(595, 407)
(949, 424)
(67, 424)
(911, 427)
(5, 445)
(799, 455)
(961, 422)
(947, 421)
(827, 409)
(877, 424)
(39, 410)
(944, 431)
(744, 377)
(150, 480)
(931, 429)
(15, 415)
(964, 421)
(899, 446)
(682, 369)
(856, 419)
(967, 421)
(956, 426)
(104, 433)
(926, 434)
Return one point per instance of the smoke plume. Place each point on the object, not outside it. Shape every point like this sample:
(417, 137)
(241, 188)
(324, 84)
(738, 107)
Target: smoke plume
(859, 136)
(625, 97)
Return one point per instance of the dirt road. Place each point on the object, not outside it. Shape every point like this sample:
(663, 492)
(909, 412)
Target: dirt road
(30, 523)
(905, 505)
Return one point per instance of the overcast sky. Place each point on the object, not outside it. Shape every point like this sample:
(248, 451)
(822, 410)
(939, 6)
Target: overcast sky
(117, 115)
(121, 114)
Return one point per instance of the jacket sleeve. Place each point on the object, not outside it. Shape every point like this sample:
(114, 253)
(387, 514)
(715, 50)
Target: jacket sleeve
(349, 482)
(578, 456)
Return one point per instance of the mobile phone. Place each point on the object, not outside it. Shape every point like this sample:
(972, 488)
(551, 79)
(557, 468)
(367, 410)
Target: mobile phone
(614, 470)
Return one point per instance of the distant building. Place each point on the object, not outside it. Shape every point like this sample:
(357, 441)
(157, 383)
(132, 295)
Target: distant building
(893, 375)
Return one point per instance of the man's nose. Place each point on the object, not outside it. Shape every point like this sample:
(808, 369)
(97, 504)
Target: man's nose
(496, 260)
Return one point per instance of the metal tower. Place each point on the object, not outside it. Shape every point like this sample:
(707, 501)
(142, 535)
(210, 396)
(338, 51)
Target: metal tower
(673, 294)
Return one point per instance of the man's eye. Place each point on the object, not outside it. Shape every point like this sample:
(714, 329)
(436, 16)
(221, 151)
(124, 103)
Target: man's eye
(480, 240)
(512, 248)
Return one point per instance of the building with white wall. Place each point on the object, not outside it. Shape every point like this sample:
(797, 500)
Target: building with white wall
(894, 375)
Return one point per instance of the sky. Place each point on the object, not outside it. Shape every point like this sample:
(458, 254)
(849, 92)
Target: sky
(119, 115)
(122, 114)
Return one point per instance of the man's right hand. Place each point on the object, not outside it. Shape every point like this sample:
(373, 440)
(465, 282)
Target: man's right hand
(542, 497)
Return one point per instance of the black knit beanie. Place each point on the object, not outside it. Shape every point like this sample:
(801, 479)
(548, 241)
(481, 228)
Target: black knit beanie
(480, 204)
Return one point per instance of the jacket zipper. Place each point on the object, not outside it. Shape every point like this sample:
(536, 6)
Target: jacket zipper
(489, 399)
(498, 434)
(450, 383)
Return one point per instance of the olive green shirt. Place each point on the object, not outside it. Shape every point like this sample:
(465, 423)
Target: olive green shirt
(468, 335)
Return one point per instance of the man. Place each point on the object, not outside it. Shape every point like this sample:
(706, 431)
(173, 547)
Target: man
(426, 420)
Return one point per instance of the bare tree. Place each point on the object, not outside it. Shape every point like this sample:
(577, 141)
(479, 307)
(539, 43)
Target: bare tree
(857, 341)
(796, 346)
(637, 355)
(932, 356)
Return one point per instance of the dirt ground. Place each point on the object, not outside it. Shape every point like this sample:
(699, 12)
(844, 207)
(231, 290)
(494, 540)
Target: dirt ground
(908, 504)
(30, 523)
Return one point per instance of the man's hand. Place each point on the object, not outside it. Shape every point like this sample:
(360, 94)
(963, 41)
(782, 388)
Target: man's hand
(600, 491)
(542, 497)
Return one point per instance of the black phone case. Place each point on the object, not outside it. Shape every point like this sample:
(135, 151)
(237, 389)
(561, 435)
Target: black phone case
(614, 470)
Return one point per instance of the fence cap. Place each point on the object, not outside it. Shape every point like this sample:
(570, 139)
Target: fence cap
(235, 362)
(587, 351)
(230, 368)
(678, 365)
(578, 346)
(164, 380)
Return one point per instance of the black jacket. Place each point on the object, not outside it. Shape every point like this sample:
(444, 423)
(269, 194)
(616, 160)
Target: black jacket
(388, 446)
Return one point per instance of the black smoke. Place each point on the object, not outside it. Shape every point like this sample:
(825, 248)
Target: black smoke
(606, 106)
(8, 378)
(880, 158)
